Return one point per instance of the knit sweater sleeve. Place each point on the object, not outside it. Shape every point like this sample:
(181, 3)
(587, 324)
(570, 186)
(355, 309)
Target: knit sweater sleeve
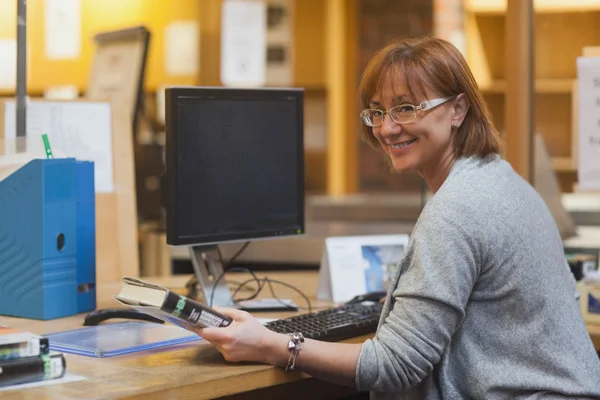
(439, 271)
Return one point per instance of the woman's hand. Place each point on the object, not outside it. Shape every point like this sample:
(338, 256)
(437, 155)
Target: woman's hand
(246, 339)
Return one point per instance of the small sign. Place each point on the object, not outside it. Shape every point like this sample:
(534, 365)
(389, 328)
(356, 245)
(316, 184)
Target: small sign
(588, 75)
(356, 265)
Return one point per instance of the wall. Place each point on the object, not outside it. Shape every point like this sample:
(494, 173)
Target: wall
(380, 23)
(103, 15)
(96, 17)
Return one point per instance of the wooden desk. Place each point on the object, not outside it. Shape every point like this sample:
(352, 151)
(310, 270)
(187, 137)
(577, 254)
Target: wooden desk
(190, 371)
(194, 371)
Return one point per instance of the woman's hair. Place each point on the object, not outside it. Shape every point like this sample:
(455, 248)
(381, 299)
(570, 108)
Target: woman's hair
(434, 64)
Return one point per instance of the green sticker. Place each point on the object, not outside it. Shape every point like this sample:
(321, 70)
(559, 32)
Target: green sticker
(47, 365)
(179, 306)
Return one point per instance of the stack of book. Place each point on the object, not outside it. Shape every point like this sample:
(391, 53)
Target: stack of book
(26, 358)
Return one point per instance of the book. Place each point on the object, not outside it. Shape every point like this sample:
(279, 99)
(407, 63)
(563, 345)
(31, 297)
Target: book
(168, 306)
(32, 369)
(18, 344)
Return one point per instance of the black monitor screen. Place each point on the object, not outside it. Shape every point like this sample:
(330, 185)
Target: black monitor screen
(238, 164)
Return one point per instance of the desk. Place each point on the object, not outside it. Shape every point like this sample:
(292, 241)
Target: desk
(190, 371)
(194, 371)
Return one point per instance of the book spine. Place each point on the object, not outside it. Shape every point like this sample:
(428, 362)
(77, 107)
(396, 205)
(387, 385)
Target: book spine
(32, 369)
(192, 313)
(21, 346)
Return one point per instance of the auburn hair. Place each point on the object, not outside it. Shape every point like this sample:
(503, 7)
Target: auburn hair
(434, 64)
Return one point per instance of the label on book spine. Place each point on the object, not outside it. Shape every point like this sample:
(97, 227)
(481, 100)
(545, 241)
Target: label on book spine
(19, 345)
(189, 313)
(54, 366)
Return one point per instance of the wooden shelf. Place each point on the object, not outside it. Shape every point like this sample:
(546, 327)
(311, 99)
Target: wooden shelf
(564, 164)
(541, 86)
(541, 6)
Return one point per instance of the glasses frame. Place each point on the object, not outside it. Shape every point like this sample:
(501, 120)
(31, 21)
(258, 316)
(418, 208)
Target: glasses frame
(425, 105)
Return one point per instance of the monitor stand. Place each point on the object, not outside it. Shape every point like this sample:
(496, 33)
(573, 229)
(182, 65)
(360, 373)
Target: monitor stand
(208, 268)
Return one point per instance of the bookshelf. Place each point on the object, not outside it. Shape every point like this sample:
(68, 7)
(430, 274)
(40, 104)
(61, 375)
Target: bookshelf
(562, 29)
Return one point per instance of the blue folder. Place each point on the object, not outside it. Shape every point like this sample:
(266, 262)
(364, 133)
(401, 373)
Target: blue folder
(118, 338)
(47, 240)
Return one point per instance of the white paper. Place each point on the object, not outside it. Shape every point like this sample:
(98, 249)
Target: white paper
(79, 130)
(67, 378)
(8, 65)
(243, 43)
(357, 265)
(62, 29)
(182, 48)
(588, 75)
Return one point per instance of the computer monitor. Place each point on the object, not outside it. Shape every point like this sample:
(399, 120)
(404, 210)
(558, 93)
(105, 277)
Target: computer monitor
(234, 172)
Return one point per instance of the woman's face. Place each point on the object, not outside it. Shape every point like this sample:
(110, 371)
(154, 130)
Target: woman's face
(422, 144)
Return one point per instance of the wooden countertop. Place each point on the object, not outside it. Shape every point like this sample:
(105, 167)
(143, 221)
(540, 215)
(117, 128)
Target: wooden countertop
(194, 371)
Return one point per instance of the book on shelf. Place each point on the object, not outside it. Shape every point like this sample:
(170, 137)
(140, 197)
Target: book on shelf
(17, 344)
(169, 306)
(32, 369)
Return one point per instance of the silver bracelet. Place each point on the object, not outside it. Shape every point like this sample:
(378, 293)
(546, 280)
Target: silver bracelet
(294, 347)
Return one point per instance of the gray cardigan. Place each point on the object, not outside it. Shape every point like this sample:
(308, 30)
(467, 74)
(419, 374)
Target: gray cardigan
(484, 305)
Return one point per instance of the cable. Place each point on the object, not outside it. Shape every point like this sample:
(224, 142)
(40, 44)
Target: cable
(216, 282)
(235, 256)
(192, 283)
(270, 282)
(242, 285)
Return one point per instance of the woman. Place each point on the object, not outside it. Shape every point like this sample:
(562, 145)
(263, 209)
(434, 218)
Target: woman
(484, 305)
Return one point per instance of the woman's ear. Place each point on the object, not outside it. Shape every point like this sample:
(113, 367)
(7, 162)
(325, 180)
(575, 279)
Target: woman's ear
(460, 107)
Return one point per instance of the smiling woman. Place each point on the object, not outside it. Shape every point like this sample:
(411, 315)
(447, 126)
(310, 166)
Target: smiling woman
(482, 304)
(436, 111)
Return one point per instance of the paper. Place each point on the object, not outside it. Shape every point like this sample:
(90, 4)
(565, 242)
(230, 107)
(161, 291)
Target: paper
(79, 130)
(62, 29)
(588, 75)
(243, 43)
(67, 378)
(8, 65)
(355, 265)
(182, 48)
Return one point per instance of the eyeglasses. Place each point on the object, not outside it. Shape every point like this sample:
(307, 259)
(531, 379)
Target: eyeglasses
(402, 114)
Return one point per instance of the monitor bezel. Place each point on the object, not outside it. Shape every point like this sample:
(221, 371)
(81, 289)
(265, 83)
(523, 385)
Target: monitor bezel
(172, 95)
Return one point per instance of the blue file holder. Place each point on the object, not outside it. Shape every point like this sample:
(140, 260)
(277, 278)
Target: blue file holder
(47, 240)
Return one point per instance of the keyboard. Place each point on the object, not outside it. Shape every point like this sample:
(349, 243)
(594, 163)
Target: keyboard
(333, 324)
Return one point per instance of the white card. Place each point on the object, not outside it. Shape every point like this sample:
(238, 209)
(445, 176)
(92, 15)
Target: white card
(8, 65)
(243, 43)
(62, 29)
(182, 48)
(355, 265)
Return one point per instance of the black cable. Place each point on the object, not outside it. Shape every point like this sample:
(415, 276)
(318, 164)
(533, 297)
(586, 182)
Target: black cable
(251, 297)
(271, 281)
(232, 259)
(216, 282)
(260, 283)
